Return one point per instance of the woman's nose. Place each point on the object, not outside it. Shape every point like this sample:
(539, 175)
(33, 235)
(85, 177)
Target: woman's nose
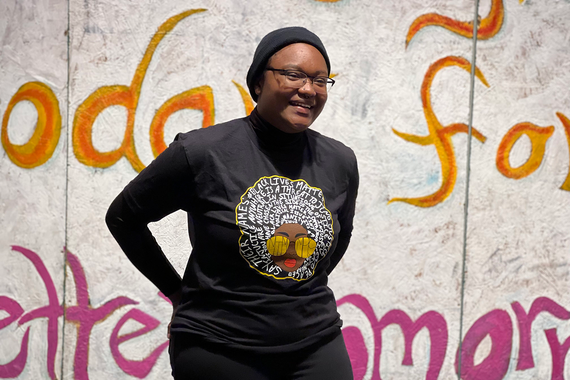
(308, 88)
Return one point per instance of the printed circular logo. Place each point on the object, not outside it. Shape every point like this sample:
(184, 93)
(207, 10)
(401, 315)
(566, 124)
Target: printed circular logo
(286, 228)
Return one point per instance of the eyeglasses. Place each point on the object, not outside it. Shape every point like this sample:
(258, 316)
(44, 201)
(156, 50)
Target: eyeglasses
(297, 79)
(278, 245)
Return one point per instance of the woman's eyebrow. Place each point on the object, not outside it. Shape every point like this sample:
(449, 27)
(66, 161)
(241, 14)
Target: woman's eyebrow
(282, 233)
(301, 234)
(292, 66)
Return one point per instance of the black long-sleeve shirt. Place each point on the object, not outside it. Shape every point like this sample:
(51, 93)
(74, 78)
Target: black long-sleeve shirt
(246, 186)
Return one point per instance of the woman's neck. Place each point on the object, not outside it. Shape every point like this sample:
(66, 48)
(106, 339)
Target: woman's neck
(272, 138)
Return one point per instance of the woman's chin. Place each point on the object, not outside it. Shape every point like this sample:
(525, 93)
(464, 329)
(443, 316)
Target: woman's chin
(300, 124)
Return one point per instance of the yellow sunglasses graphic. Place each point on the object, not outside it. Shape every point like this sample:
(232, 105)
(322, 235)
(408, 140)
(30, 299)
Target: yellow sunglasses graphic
(277, 246)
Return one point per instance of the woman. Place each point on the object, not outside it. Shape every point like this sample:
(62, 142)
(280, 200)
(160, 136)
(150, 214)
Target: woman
(270, 205)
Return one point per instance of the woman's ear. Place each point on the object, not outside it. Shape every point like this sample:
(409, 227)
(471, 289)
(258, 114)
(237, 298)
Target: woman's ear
(258, 86)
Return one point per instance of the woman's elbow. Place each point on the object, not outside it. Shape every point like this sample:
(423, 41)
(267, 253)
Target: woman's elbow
(115, 217)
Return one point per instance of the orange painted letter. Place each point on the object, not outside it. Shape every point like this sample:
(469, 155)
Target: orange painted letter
(117, 95)
(440, 136)
(538, 137)
(566, 123)
(488, 27)
(199, 98)
(245, 97)
(42, 144)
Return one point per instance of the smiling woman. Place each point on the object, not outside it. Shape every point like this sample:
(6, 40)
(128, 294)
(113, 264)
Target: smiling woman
(278, 78)
(270, 205)
(281, 101)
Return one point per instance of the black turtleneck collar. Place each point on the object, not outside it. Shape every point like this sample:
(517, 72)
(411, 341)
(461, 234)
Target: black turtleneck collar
(272, 139)
(285, 150)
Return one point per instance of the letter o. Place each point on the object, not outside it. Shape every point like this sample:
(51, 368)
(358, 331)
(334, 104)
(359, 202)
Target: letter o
(497, 324)
(43, 142)
(538, 137)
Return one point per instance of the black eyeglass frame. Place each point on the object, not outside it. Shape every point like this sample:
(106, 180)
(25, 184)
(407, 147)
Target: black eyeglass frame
(304, 76)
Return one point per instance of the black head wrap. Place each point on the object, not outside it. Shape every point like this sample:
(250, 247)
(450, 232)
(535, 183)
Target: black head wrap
(275, 41)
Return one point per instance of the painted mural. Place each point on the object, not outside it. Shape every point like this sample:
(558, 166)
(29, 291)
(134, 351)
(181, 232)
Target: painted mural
(93, 90)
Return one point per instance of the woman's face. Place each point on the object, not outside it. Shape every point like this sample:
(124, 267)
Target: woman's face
(290, 261)
(291, 110)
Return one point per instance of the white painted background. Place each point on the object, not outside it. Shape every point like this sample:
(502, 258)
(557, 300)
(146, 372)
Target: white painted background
(401, 256)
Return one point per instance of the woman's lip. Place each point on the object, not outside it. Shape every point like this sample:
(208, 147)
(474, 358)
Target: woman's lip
(301, 110)
(290, 263)
(302, 105)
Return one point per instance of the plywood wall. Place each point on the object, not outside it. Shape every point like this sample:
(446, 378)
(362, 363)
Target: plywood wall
(84, 82)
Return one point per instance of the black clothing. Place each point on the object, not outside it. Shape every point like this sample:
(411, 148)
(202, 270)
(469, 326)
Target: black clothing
(191, 359)
(239, 182)
(275, 41)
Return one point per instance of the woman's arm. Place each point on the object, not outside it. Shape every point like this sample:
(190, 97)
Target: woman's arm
(160, 189)
(136, 240)
(345, 218)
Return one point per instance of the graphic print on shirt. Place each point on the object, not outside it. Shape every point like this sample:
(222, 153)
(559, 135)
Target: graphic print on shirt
(286, 228)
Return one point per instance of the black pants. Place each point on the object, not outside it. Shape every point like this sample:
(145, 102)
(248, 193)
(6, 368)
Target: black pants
(192, 360)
